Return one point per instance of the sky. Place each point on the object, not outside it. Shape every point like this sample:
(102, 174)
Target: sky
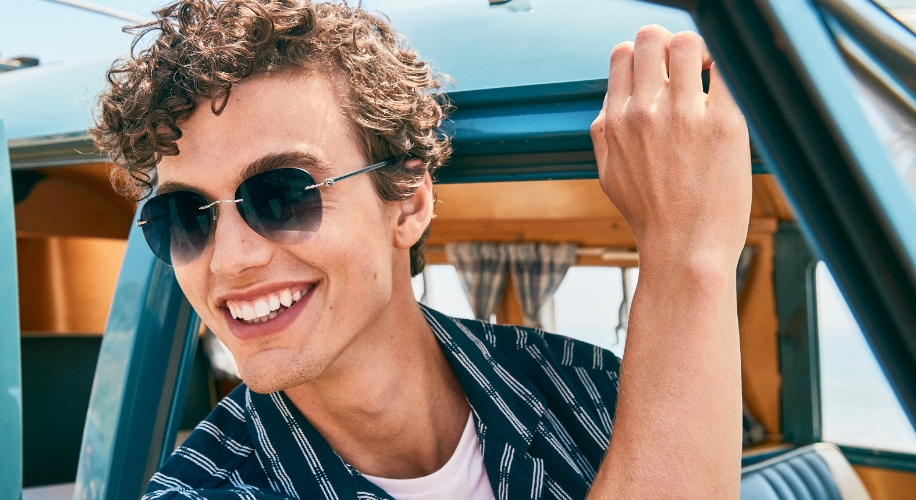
(54, 32)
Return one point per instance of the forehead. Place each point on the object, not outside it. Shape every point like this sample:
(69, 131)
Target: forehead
(265, 115)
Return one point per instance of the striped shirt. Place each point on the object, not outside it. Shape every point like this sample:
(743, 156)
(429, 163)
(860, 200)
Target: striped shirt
(543, 407)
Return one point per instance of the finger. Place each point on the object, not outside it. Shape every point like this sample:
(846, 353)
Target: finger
(650, 61)
(719, 95)
(620, 77)
(687, 57)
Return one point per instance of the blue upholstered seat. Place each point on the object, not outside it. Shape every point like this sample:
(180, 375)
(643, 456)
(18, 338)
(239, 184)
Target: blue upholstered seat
(815, 472)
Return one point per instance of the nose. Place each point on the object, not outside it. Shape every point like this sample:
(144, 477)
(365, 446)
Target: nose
(236, 247)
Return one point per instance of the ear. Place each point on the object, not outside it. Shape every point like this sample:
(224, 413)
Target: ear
(415, 212)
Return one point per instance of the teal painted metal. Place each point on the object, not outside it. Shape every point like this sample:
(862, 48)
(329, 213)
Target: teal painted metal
(532, 132)
(880, 458)
(186, 352)
(10, 371)
(141, 376)
(480, 47)
(796, 308)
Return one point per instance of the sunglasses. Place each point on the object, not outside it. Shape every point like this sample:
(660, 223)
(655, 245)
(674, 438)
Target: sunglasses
(283, 205)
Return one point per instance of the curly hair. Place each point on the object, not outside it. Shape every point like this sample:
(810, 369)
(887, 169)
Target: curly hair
(204, 47)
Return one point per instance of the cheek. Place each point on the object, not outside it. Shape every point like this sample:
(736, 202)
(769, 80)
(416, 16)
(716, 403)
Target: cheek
(357, 249)
(193, 281)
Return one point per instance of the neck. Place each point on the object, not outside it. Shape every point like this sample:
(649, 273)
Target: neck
(390, 405)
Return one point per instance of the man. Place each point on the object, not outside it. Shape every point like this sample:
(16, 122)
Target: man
(249, 118)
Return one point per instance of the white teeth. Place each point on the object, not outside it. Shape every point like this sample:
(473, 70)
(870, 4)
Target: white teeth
(265, 308)
(261, 307)
(248, 312)
(286, 298)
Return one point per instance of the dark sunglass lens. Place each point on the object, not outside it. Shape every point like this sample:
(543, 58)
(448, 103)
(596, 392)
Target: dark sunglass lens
(278, 207)
(176, 229)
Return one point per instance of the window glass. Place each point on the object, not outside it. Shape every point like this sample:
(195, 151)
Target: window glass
(587, 305)
(903, 10)
(884, 91)
(440, 288)
(858, 406)
(894, 127)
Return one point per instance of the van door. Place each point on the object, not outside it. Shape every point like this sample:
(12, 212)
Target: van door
(10, 373)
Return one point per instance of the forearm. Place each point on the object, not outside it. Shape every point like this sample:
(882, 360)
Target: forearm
(677, 430)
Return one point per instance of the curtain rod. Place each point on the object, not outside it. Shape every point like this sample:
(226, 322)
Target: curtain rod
(604, 253)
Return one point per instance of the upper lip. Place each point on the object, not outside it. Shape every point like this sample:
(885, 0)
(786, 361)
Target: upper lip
(261, 290)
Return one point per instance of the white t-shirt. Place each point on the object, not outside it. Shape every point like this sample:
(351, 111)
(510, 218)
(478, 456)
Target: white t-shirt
(463, 476)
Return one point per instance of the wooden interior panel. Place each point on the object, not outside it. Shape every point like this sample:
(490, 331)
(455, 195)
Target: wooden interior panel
(591, 232)
(509, 309)
(574, 199)
(577, 199)
(759, 330)
(75, 201)
(885, 484)
(58, 207)
(94, 176)
(769, 199)
(66, 284)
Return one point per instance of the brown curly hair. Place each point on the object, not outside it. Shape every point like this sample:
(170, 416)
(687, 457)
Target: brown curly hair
(204, 47)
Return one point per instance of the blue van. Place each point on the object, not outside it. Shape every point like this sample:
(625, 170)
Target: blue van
(104, 366)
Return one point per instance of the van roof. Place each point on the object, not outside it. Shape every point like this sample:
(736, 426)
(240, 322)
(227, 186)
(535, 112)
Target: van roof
(46, 110)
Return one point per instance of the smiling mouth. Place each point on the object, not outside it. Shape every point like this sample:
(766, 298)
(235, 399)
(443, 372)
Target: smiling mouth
(266, 308)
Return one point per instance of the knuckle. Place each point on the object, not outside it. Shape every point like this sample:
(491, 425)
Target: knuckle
(639, 115)
(596, 130)
(652, 32)
(621, 51)
(686, 39)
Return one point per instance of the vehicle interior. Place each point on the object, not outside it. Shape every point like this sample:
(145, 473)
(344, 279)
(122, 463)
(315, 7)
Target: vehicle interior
(116, 369)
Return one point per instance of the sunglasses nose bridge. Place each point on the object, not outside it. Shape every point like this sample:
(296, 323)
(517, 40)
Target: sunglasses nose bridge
(214, 207)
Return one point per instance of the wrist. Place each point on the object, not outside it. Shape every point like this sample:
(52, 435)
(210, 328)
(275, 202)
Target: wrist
(703, 264)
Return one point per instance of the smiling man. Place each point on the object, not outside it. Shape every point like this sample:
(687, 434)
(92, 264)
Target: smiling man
(290, 148)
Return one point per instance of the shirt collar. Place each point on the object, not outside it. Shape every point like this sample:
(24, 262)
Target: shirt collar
(501, 397)
(301, 464)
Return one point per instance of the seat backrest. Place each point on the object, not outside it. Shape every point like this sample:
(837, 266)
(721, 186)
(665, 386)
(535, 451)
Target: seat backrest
(815, 472)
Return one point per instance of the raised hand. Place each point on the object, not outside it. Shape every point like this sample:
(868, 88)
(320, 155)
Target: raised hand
(674, 160)
(676, 163)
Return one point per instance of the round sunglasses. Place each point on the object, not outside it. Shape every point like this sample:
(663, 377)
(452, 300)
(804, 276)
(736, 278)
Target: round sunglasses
(282, 205)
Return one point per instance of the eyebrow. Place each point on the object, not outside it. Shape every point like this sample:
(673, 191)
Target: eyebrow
(299, 159)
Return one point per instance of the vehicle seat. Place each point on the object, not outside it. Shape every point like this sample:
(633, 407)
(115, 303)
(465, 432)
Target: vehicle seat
(815, 472)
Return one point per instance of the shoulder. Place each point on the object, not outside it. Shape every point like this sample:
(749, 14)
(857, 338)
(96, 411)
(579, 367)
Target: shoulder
(218, 454)
(564, 351)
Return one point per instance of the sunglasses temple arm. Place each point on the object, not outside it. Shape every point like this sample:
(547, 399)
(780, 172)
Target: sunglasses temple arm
(332, 180)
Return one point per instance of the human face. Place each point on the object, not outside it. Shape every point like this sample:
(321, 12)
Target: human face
(345, 274)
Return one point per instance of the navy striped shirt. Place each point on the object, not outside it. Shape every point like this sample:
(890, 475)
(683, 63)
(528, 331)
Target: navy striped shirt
(543, 405)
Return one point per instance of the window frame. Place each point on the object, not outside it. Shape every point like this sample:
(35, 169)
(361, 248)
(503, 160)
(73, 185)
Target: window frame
(799, 101)
(796, 97)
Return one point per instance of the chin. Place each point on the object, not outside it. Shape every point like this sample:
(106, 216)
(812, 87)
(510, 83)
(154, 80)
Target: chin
(265, 373)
